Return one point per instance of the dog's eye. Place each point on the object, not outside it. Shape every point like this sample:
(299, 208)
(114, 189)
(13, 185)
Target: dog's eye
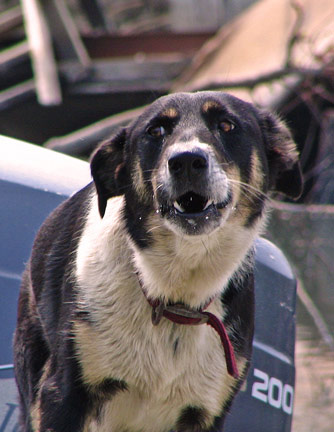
(156, 131)
(226, 126)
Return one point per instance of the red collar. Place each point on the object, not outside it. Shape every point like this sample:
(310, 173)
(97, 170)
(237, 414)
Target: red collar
(180, 314)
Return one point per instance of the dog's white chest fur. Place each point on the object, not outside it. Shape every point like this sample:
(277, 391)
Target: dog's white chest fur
(166, 367)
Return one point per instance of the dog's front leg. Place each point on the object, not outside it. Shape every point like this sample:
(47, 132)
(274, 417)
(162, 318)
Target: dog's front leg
(63, 404)
(58, 412)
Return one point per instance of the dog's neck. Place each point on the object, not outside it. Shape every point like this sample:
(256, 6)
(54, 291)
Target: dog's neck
(191, 271)
(159, 307)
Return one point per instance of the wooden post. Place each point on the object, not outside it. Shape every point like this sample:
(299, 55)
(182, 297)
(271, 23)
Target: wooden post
(43, 62)
(66, 36)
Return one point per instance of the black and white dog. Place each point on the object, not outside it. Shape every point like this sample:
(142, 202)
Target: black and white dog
(122, 271)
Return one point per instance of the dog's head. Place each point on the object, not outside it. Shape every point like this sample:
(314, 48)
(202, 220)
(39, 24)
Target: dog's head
(195, 160)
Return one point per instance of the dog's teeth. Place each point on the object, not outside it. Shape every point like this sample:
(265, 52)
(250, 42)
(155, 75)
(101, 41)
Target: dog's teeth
(178, 207)
(208, 204)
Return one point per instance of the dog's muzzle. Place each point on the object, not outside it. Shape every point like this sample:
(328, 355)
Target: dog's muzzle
(193, 195)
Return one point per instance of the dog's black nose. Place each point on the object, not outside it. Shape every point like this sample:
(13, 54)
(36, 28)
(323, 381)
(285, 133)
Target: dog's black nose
(191, 163)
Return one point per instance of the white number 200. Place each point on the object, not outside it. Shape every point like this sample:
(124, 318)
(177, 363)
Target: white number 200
(272, 391)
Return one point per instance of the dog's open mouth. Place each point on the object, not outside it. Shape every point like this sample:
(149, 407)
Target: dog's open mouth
(193, 204)
(195, 213)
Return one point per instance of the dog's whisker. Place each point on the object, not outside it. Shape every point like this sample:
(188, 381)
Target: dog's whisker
(205, 247)
(159, 186)
(251, 189)
(154, 228)
(225, 164)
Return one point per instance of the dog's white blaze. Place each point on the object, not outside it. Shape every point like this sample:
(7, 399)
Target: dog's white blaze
(218, 188)
(123, 344)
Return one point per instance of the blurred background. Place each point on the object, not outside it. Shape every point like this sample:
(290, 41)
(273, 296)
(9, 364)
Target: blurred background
(73, 71)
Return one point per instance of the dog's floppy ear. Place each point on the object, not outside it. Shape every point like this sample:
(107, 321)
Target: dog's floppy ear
(283, 159)
(108, 169)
